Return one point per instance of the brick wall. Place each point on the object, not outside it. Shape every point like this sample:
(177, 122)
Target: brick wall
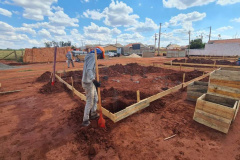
(37, 55)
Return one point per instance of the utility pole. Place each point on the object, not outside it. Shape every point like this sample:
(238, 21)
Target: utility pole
(159, 38)
(210, 34)
(189, 42)
(155, 41)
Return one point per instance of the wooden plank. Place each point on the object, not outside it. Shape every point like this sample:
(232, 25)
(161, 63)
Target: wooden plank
(131, 110)
(138, 95)
(215, 109)
(7, 92)
(236, 111)
(193, 96)
(216, 122)
(224, 91)
(228, 83)
(195, 64)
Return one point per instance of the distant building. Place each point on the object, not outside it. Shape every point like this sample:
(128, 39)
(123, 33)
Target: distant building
(173, 46)
(112, 47)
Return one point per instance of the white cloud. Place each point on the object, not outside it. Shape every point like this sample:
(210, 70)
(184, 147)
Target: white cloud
(224, 28)
(5, 12)
(117, 14)
(44, 33)
(59, 18)
(93, 28)
(227, 2)
(116, 31)
(35, 9)
(185, 20)
(26, 30)
(148, 25)
(6, 28)
(184, 4)
(236, 20)
(16, 12)
(93, 14)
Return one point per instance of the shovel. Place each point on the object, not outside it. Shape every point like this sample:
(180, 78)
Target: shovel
(101, 121)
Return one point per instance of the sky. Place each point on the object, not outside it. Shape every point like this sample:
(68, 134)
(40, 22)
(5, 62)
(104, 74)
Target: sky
(30, 23)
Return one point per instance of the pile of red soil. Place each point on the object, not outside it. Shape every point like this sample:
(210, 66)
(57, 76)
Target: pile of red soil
(130, 69)
(91, 137)
(49, 89)
(45, 77)
(178, 76)
(205, 61)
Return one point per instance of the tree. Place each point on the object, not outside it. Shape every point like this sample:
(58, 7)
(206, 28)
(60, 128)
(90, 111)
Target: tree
(196, 44)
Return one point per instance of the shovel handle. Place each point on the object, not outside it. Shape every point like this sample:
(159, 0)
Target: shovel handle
(97, 75)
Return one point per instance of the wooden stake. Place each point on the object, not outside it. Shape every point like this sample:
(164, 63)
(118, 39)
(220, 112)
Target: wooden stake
(170, 137)
(72, 86)
(214, 64)
(138, 95)
(183, 79)
(171, 62)
(180, 67)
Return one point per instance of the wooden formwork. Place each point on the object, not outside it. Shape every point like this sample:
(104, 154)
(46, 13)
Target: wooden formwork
(215, 57)
(216, 112)
(205, 65)
(196, 90)
(115, 117)
(225, 82)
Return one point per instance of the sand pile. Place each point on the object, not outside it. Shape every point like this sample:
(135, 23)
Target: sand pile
(134, 56)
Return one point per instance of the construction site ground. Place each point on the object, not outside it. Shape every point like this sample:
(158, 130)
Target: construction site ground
(35, 125)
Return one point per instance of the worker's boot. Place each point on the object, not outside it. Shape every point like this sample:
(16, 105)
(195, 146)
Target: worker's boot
(96, 115)
(85, 123)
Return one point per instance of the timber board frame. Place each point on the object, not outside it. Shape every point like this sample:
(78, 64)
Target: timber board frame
(197, 64)
(115, 117)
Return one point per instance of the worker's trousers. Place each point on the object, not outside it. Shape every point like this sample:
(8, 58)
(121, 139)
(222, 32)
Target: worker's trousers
(91, 100)
(70, 60)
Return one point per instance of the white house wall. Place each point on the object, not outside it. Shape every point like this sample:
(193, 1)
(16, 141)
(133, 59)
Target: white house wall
(220, 49)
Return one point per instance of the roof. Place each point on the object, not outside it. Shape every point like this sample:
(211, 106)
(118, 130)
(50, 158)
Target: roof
(130, 44)
(225, 41)
(115, 45)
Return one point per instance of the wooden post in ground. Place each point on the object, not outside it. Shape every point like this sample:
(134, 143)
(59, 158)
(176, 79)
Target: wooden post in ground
(15, 55)
(72, 86)
(138, 95)
(214, 64)
(183, 79)
(180, 67)
(171, 62)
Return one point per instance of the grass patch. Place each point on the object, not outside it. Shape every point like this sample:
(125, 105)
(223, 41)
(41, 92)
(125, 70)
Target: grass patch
(26, 70)
(20, 54)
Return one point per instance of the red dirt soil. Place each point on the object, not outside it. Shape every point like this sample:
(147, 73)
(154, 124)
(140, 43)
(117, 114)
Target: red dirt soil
(47, 126)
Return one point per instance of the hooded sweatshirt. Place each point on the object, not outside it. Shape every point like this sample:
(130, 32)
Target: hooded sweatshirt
(89, 70)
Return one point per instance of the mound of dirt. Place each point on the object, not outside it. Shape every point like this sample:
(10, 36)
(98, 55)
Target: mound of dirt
(205, 61)
(45, 77)
(130, 69)
(178, 76)
(49, 89)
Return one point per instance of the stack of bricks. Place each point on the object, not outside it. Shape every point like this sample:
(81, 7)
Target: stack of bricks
(38, 55)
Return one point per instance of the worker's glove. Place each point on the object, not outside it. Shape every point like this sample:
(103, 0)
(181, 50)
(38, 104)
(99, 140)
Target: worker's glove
(96, 83)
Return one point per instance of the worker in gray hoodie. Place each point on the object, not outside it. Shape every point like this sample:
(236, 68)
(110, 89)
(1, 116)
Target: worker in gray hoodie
(89, 84)
(69, 58)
